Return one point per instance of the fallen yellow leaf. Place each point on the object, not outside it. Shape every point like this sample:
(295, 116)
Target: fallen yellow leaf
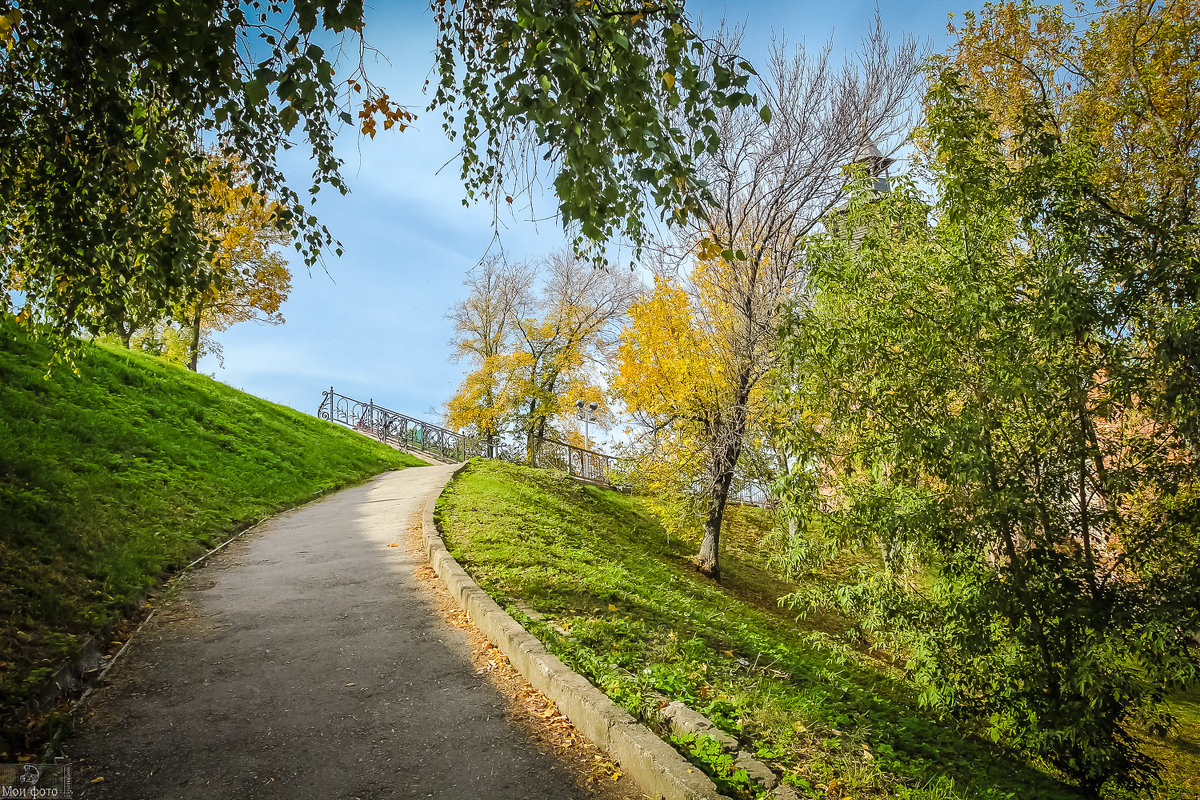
(611, 607)
(98, 780)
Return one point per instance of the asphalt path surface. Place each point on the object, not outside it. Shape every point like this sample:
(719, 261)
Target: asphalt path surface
(306, 661)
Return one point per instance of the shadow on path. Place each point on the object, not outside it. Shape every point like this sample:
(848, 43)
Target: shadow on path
(304, 661)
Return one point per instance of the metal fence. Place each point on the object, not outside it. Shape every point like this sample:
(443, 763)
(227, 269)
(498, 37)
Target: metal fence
(414, 434)
(753, 496)
(586, 465)
(396, 428)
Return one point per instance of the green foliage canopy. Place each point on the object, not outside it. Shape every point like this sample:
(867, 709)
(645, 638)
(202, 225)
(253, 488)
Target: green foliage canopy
(103, 108)
(591, 87)
(990, 409)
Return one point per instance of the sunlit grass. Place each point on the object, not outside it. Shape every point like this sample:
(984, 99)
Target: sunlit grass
(623, 605)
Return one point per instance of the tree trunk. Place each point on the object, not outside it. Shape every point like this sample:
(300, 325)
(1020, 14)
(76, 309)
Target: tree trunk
(194, 363)
(727, 448)
(530, 448)
(489, 438)
(709, 559)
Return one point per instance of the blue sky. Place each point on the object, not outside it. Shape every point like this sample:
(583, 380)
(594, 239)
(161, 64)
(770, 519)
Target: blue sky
(374, 326)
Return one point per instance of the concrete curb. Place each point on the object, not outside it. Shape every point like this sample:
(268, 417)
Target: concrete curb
(658, 769)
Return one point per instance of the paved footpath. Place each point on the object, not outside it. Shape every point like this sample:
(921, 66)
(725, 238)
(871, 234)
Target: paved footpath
(304, 661)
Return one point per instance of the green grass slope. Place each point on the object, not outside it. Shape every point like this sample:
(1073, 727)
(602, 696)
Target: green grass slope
(623, 606)
(114, 476)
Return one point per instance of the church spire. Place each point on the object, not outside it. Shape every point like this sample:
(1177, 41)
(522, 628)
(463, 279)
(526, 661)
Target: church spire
(876, 162)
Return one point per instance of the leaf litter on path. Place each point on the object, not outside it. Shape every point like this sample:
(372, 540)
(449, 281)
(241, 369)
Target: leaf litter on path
(597, 774)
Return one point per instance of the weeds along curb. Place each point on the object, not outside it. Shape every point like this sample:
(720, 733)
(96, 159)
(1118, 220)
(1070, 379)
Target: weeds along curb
(165, 587)
(684, 721)
(84, 671)
(654, 765)
(87, 669)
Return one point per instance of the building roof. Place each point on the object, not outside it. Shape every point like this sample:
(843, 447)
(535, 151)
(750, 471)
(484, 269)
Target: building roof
(876, 161)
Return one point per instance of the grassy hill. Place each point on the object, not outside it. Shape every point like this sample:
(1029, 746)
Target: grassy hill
(122, 468)
(620, 602)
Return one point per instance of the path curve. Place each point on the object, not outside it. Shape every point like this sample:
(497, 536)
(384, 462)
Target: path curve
(304, 661)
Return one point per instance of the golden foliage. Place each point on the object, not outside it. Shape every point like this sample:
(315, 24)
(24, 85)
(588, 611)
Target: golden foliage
(535, 352)
(667, 364)
(249, 279)
(8, 24)
(683, 371)
(486, 396)
(252, 277)
(1125, 75)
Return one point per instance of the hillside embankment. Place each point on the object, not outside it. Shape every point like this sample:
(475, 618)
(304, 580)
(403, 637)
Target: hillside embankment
(117, 469)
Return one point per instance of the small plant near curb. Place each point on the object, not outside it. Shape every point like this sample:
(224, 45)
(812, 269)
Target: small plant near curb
(730, 780)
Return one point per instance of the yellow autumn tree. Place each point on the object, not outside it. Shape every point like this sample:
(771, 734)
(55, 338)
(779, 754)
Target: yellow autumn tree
(775, 178)
(484, 329)
(689, 370)
(536, 335)
(251, 279)
(479, 406)
(667, 379)
(245, 279)
(1125, 72)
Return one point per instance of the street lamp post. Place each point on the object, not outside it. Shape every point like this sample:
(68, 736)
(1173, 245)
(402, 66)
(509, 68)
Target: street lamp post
(587, 414)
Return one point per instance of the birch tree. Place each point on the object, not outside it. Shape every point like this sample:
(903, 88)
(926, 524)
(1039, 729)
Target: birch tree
(485, 327)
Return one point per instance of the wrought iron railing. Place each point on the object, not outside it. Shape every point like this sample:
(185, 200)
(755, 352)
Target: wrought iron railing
(753, 495)
(584, 464)
(396, 428)
(414, 434)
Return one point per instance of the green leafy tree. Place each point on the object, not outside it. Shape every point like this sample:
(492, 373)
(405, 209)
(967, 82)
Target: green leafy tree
(589, 90)
(985, 409)
(102, 106)
(1122, 76)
